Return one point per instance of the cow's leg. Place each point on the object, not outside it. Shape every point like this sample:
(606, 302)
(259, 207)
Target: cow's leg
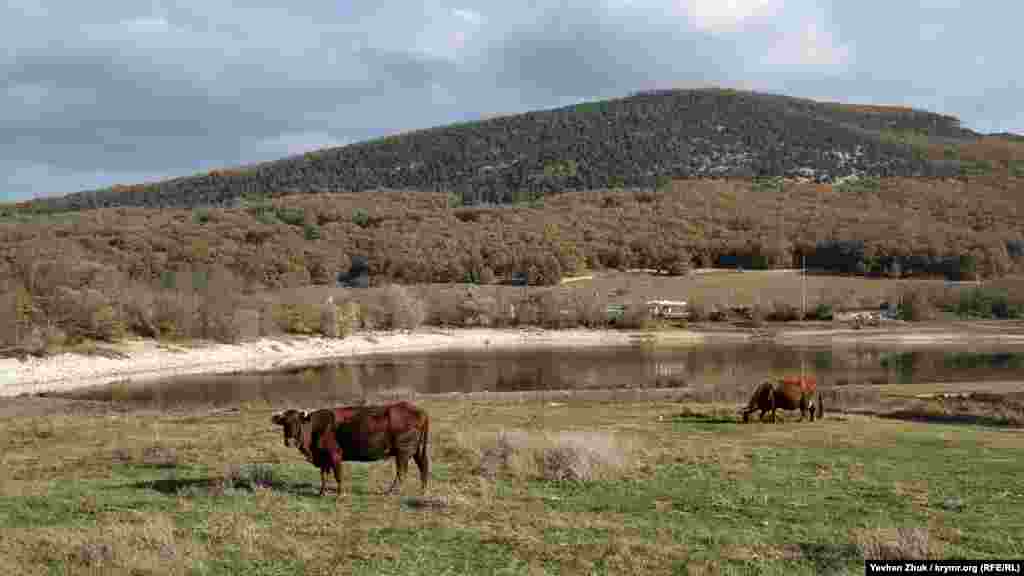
(323, 481)
(401, 466)
(337, 477)
(423, 463)
(337, 459)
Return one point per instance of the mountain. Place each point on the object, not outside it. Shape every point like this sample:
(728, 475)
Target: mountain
(637, 140)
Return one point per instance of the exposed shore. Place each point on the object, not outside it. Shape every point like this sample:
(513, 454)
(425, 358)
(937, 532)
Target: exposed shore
(147, 360)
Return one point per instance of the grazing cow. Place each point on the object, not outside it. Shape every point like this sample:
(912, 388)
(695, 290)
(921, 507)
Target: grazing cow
(787, 394)
(361, 434)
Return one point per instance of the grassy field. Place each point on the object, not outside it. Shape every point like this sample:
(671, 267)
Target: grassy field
(518, 488)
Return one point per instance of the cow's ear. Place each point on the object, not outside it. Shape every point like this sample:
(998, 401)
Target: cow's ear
(276, 418)
(305, 414)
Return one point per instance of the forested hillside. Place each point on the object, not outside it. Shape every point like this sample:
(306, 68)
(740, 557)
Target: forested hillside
(634, 141)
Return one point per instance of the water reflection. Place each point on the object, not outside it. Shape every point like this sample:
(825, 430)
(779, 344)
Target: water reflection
(723, 372)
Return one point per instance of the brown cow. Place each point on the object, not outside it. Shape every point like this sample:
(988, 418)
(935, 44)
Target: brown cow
(360, 434)
(787, 394)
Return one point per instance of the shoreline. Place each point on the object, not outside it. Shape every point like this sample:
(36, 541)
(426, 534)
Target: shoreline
(147, 360)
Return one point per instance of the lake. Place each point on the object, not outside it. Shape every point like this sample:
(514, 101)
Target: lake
(725, 372)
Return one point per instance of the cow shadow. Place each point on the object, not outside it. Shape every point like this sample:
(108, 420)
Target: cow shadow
(700, 417)
(964, 419)
(220, 485)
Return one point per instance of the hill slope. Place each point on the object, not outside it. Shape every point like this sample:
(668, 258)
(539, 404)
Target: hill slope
(632, 141)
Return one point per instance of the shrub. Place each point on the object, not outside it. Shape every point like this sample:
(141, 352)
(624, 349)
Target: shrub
(698, 312)
(339, 321)
(915, 307)
(823, 311)
(784, 312)
(560, 457)
(297, 318)
(87, 314)
(250, 477)
(160, 457)
(580, 457)
(360, 217)
(757, 316)
(263, 212)
(405, 310)
(486, 275)
(986, 303)
(636, 316)
(311, 232)
(201, 216)
(591, 310)
(292, 216)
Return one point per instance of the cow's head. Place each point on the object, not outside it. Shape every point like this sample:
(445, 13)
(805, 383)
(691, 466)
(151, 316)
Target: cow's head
(291, 423)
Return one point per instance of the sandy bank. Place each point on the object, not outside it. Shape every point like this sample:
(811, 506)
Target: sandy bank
(149, 360)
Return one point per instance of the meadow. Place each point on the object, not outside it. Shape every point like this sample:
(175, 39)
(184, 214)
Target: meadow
(584, 487)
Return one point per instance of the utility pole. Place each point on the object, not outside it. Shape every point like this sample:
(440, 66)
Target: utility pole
(803, 287)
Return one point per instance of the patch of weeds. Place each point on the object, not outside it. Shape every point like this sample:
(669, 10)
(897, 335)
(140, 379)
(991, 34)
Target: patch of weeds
(426, 502)
(160, 457)
(250, 477)
(292, 216)
(720, 416)
(904, 543)
(859, 185)
(120, 455)
(236, 562)
(360, 217)
(975, 167)
(263, 212)
(831, 558)
(497, 457)
(95, 554)
(1017, 168)
(559, 457)
(311, 232)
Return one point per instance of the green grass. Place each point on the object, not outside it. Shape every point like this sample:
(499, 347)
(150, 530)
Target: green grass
(690, 492)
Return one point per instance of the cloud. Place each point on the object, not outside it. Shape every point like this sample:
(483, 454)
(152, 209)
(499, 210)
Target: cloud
(123, 91)
(725, 16)
(470, 16)
(809, 46)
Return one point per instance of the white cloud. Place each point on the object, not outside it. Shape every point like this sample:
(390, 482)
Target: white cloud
(148, 24)
(469, 16)
(446, 37)
(810, 46)
(723, 16)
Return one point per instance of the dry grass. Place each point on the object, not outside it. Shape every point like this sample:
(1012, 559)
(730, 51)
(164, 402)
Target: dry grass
(519, 487)
(907, 543)
(575, 456)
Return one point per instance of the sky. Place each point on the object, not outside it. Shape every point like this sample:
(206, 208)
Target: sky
(129, 91)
